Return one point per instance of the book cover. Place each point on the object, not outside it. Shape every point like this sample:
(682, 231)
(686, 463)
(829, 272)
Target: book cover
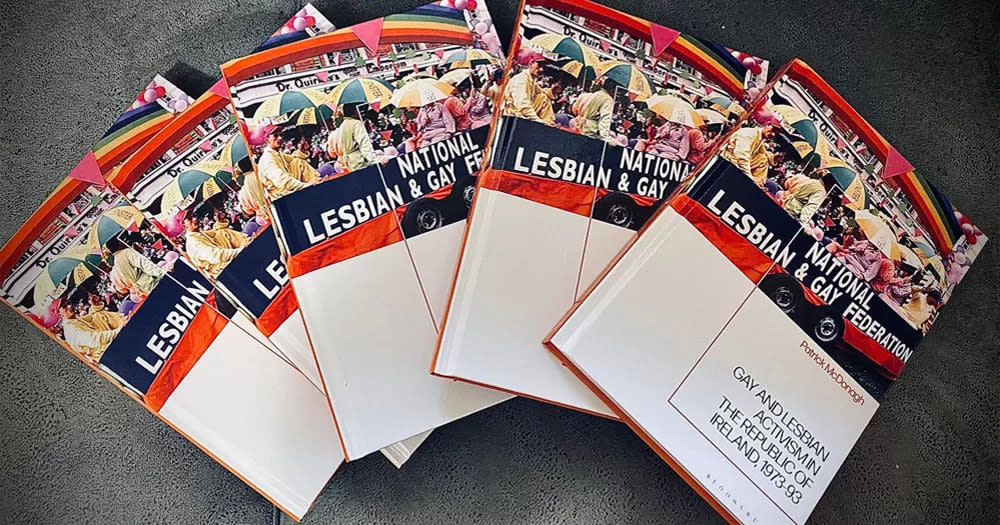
(752, 329)
(603, 115)
(366, 143)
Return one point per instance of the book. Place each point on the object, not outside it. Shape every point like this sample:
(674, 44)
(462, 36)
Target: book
(188, 181)
(604, 114)
(366, 143)
(755, 325)
(92, 273)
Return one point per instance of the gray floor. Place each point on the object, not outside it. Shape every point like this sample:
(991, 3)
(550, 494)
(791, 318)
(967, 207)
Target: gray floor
(74, 450)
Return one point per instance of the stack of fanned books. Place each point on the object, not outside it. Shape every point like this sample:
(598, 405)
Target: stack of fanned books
(358, 235)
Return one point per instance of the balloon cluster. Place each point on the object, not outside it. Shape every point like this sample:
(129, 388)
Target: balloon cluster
(970, 230)
(151, 94)
(299, 22)
(752, 63)
(461, 4)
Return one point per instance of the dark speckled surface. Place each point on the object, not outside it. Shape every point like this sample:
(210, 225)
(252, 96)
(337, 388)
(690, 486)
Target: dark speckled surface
(74, 450)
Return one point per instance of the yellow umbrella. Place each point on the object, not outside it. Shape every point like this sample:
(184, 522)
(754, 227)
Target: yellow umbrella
(675, 109)
(470, 57)
(938, 267)
(78, 262)
(207, 177)
(411, 77)
(456, 76)
(421, 92)
(112, 222)
(910, 257)
(627, 76)
(290, 101)
(711, 116)
(565, 47)
(879, 233)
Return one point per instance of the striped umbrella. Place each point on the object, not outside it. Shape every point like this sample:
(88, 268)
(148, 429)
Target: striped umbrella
(565, 47)
(209, 178)
(411, 77)
(360, 91)
(111, 223)
(923, 248)
(421, 92)
(80, 262)
(879, 233)
(469, 58)
(235, 151)
(720, 103)
(289, 101)
(710, 116)
(311, 116)
(675, 109)
(627, 76)
(577, 70)
(848, 181)
(936, 267)
(813, 149)
(456, 76)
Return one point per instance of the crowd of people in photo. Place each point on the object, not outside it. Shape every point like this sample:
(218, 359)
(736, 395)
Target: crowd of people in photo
(89, 314)
(544, 91)
(294, 156)
(807, 192)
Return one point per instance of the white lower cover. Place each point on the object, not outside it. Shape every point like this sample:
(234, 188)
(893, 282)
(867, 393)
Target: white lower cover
(374, 337)
(653, 336)
(291, 338)
(259, 417)
(518, 276)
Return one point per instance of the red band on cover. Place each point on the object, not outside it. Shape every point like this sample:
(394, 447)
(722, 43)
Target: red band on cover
(372, 235)
(566, 196)
(204, 328)
(747, 257)
(281, 308)
(754, 264)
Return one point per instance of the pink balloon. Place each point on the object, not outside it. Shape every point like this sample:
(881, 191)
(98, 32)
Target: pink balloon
(473, 4)
(959, 258)
(756, 69)
(748, 61)
(482, 28)
(971, 239)
(149, 95)
(285, 30)
(753, 92)
(180, 104)
(461, 4)
(299, 23)
(968, 229)
(310, 20)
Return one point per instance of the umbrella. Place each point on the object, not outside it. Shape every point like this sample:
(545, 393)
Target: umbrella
(411, 77)
(910, 257)
(235, 151)
(79, 262)
(710, 116)
(936, 267)
(289, 101)
(360, 91)
(627, 76)
(111, 223)
(813, 148)
(421, 92)
(879, 233)
(311, 116)
(209, 178)
(720, 103)
(456, 76)
(577, 70)
(565, 47)
(848, 181)
(923, 248)
(675, 109)
(469, 57)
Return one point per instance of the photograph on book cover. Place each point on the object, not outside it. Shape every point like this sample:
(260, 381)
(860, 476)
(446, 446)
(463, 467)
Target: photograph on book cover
(93, 273)
(366, 144)
(811, 260)
(603, 115)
